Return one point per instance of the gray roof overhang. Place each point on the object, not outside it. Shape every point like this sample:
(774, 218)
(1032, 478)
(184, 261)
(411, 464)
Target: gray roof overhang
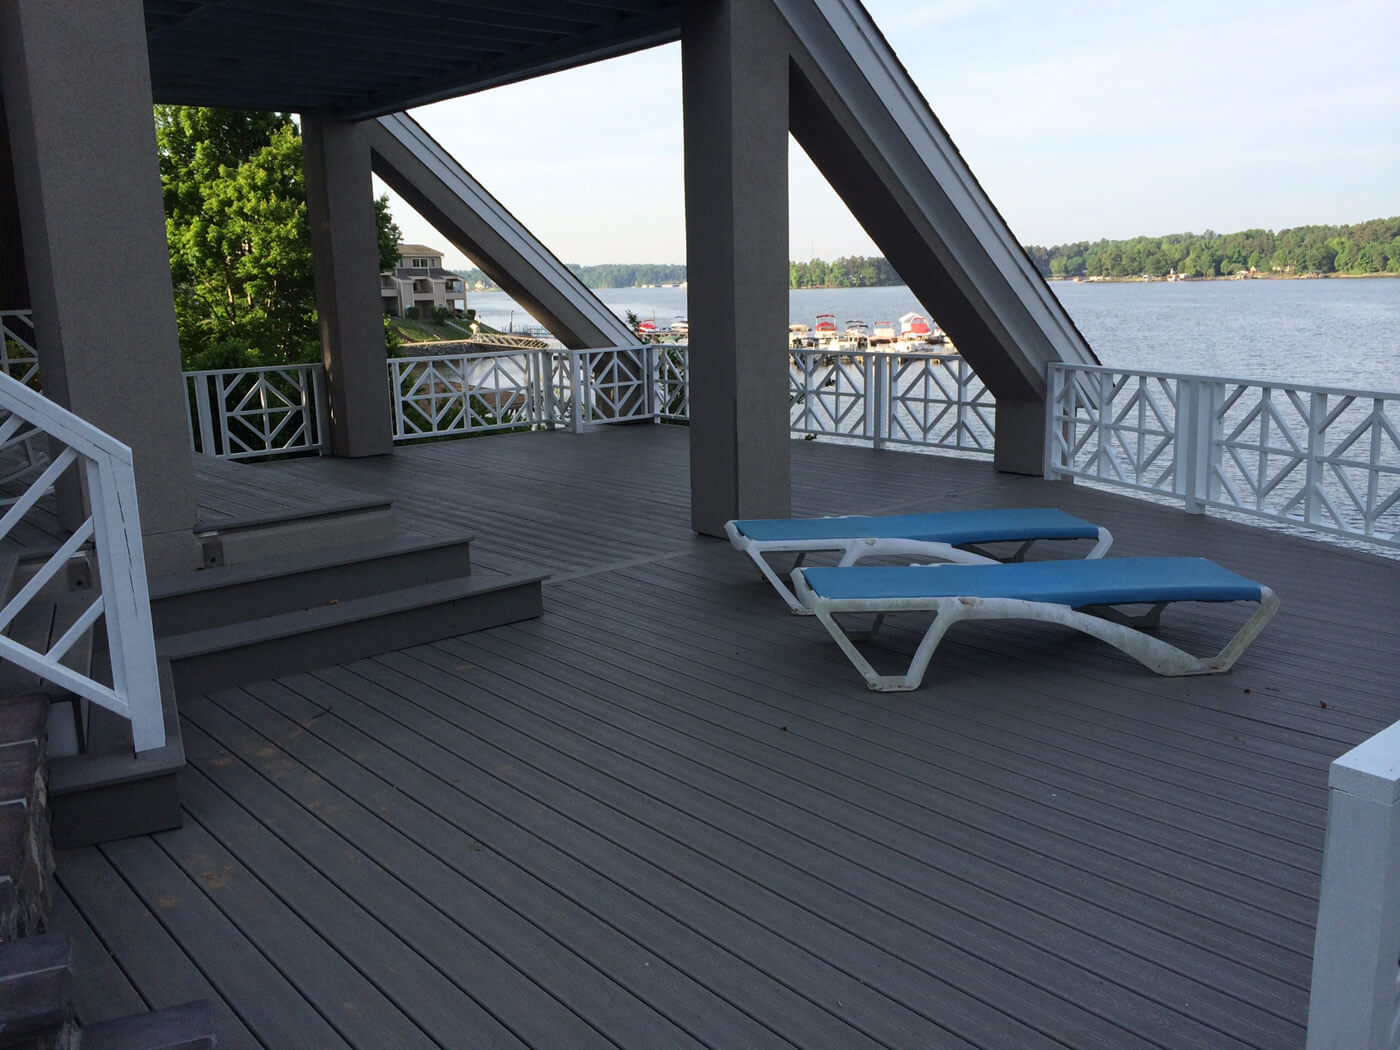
(365, 58)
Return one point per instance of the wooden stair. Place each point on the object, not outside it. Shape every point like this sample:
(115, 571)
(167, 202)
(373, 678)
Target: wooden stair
(223, 627)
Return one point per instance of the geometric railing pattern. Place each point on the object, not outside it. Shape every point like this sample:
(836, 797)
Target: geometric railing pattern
(919, 400)
(249, 412)
(1321, 457)
(465, 394)
(112, 532)
(938, 401)
(18, 358)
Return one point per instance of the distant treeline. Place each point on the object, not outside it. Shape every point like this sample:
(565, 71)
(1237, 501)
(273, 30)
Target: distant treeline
(852, 271)
(1366, 247)
(606, 275)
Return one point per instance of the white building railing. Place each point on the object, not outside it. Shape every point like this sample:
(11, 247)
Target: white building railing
(1355, 973)
(119, 590)
(248, 412)
(1321, 457)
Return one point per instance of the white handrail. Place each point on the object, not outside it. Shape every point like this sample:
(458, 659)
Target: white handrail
(120, 594)
(1355, 972)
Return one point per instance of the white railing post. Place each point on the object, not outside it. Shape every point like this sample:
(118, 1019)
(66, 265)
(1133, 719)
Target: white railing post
(650, 373)
(126, 600)
(1353, 1001)
(579, 394)
(1103, 441)
(545, 362)
(1317, 447)
(877, 382)
(1196, 446)
(202, 398)
(1054, 390)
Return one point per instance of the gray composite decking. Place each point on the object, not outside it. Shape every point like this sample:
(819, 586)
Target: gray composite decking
(668, 813)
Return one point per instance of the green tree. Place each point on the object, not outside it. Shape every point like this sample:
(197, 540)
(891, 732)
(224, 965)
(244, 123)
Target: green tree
(240, 247)
(389, 234)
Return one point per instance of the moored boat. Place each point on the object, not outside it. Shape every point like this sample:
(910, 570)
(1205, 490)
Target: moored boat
(916, 328)
(800, 337)
(883, 333)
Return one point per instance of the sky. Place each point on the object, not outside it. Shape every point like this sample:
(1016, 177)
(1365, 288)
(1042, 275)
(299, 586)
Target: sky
(1081, 121)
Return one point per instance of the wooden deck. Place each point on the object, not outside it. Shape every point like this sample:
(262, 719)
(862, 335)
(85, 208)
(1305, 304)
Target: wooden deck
(669, 814)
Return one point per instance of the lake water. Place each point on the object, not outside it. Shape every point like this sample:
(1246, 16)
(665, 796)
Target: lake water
(1334, 332)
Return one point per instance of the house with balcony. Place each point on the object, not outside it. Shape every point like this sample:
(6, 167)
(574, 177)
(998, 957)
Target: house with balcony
(345, 734)
(419, 282)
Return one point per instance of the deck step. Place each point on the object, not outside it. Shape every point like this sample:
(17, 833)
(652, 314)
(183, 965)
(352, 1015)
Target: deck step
(187, 1027)
(231, 541)
(224, 657)
(109, 792)
(215, 597)
(36, 990)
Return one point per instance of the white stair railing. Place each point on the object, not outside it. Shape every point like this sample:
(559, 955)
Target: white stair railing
(119, 591)
(1356, 954)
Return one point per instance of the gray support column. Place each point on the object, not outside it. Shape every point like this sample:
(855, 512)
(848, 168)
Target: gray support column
(1020, 437)
(344, 246)
(735, 83)
(77, 93)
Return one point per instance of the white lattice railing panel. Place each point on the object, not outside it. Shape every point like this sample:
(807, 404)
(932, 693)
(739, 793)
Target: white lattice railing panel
(1262, 436)
(828, 395)
(119, 598)
(673, 382)
(1359, 464)
(618, 383)
(19, 359)
(466, 394)
(937, 401)
(251, 412)
(1316, 456)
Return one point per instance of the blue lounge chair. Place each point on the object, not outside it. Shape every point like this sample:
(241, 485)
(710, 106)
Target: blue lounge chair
(1078, 594)
(945, 536)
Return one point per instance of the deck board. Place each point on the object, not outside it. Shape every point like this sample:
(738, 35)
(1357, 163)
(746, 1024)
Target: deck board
(667, 812)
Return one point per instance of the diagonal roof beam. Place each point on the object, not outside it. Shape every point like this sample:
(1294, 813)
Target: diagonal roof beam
(424, 174)
(860, 117)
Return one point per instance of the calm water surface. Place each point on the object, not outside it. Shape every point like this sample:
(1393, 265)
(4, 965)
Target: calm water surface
(1334, 332)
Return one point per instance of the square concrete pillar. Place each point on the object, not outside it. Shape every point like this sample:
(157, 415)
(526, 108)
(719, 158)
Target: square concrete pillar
(1020, 440)
(345, 250)
(77, 99)
(734, 57)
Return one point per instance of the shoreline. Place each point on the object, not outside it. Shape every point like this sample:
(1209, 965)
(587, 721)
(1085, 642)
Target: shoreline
(1222, 277)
